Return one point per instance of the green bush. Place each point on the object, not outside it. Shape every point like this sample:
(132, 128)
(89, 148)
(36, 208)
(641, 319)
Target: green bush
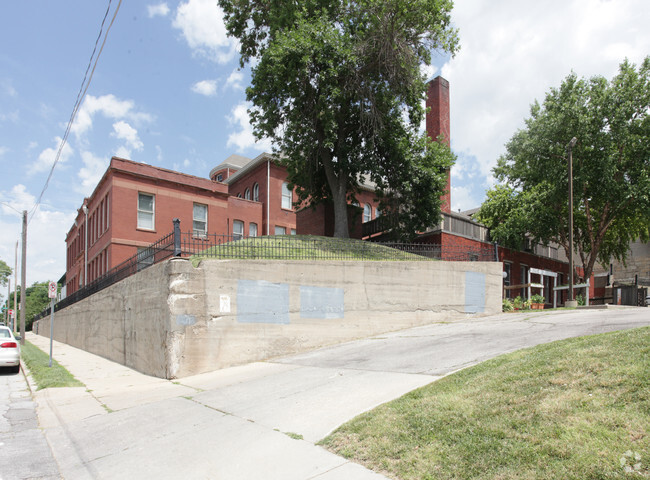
(537, 298)
(507, 305)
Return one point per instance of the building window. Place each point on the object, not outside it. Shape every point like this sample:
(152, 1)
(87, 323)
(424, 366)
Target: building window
(256, 192)
(280, 230)
(293, 231)
(145, 258)
(237, 230)
(286, 196)
(367, 213)
(507, 268)
(252, 229)
(200, 220)
(146, 205)
(247, 194)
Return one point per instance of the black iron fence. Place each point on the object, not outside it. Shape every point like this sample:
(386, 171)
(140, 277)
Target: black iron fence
(281, 247)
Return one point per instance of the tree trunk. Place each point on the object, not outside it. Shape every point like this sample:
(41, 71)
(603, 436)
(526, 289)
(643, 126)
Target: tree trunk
(338, 188)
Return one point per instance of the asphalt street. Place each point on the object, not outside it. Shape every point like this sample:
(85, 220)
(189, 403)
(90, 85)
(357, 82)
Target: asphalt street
(256, 421)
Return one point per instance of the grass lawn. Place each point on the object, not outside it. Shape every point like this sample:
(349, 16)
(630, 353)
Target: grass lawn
(45, 376)
(574, 409)
(303, 247)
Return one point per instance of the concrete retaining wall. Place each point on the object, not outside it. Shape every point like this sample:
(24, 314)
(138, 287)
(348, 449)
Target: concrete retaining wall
(173, 320)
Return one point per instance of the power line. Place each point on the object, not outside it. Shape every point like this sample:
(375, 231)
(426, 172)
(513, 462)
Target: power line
(80, 96)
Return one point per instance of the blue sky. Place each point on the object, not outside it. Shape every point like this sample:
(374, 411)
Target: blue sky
(167, 91)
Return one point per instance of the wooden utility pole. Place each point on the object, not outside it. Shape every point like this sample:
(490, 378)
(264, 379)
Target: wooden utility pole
(23, 280)
(15, 316)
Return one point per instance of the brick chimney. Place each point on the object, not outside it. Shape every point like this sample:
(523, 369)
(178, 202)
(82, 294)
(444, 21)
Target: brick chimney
(438, 124)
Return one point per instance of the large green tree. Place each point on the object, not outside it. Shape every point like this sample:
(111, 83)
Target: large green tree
(36, 300)
(611, 169)
(337, 85)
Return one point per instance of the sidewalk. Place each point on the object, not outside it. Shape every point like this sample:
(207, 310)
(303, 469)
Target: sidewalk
(221, 424)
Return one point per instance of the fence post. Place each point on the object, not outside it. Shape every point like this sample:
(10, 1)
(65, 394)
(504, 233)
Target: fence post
(177, 237)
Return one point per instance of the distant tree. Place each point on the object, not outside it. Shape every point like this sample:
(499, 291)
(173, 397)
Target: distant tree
(36, 300)
(611, 169)
(336, 84)
(5, 272)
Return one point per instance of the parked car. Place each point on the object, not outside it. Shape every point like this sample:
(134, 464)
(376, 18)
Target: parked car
(9, 350)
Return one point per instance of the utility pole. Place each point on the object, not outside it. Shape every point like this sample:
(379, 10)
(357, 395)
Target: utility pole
(8, 317)
(15, 316)
(23, 280)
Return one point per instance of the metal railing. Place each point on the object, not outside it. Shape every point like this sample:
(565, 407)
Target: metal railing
(280, 247)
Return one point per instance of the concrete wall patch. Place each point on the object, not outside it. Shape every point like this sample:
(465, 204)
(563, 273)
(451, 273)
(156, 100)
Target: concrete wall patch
(185, 320)
(259, 301)
(474, 292)
(321, 302)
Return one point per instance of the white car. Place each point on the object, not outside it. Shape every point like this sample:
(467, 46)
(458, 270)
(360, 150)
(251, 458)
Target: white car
(9, 350)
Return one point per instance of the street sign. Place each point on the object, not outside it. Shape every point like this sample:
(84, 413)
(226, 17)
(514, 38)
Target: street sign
(51, 290)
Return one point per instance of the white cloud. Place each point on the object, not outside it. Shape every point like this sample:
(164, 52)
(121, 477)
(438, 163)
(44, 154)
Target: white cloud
(110, 107)
(16, 200)
(91, 173)
(7, 88)
(201, 23)
(126, 132)
(161, 10)
(3, 150)
(46, 233)
(46, 157)
(464, 198)
(244, 138)
(205, 87)
(235, 80)
(513, 52)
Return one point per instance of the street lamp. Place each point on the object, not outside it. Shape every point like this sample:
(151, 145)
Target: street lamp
(85, 210)
(570, 301)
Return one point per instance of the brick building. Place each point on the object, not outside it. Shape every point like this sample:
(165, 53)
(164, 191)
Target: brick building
(134, 204)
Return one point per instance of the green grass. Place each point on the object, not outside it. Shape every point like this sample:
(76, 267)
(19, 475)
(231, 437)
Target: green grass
(45, 376)
(574, 409)
(303, 247)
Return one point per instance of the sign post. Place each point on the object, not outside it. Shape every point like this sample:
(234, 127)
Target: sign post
(51, 292)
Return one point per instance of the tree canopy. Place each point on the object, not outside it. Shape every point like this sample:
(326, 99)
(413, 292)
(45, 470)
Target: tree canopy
(5, 272)
(337, 86)
(611, 169)
(36, 300)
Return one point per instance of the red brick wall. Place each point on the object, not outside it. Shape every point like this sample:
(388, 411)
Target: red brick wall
(277, 216)
(438, 123)
(175, 195)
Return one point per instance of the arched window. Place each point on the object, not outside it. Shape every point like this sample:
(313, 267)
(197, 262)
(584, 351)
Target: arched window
(367, 213)
(256, 192)
(247, 194)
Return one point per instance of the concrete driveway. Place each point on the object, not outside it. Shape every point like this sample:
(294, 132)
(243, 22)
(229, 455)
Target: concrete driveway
(261, 421)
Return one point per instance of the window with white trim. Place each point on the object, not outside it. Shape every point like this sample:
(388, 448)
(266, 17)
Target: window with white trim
(252, 229)
(247, 194)
(146, 209)
(367, 213)
(280, 230)
(200, 220)
(237, 230)
(286, 196)
(256, 192)
(293, 231)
